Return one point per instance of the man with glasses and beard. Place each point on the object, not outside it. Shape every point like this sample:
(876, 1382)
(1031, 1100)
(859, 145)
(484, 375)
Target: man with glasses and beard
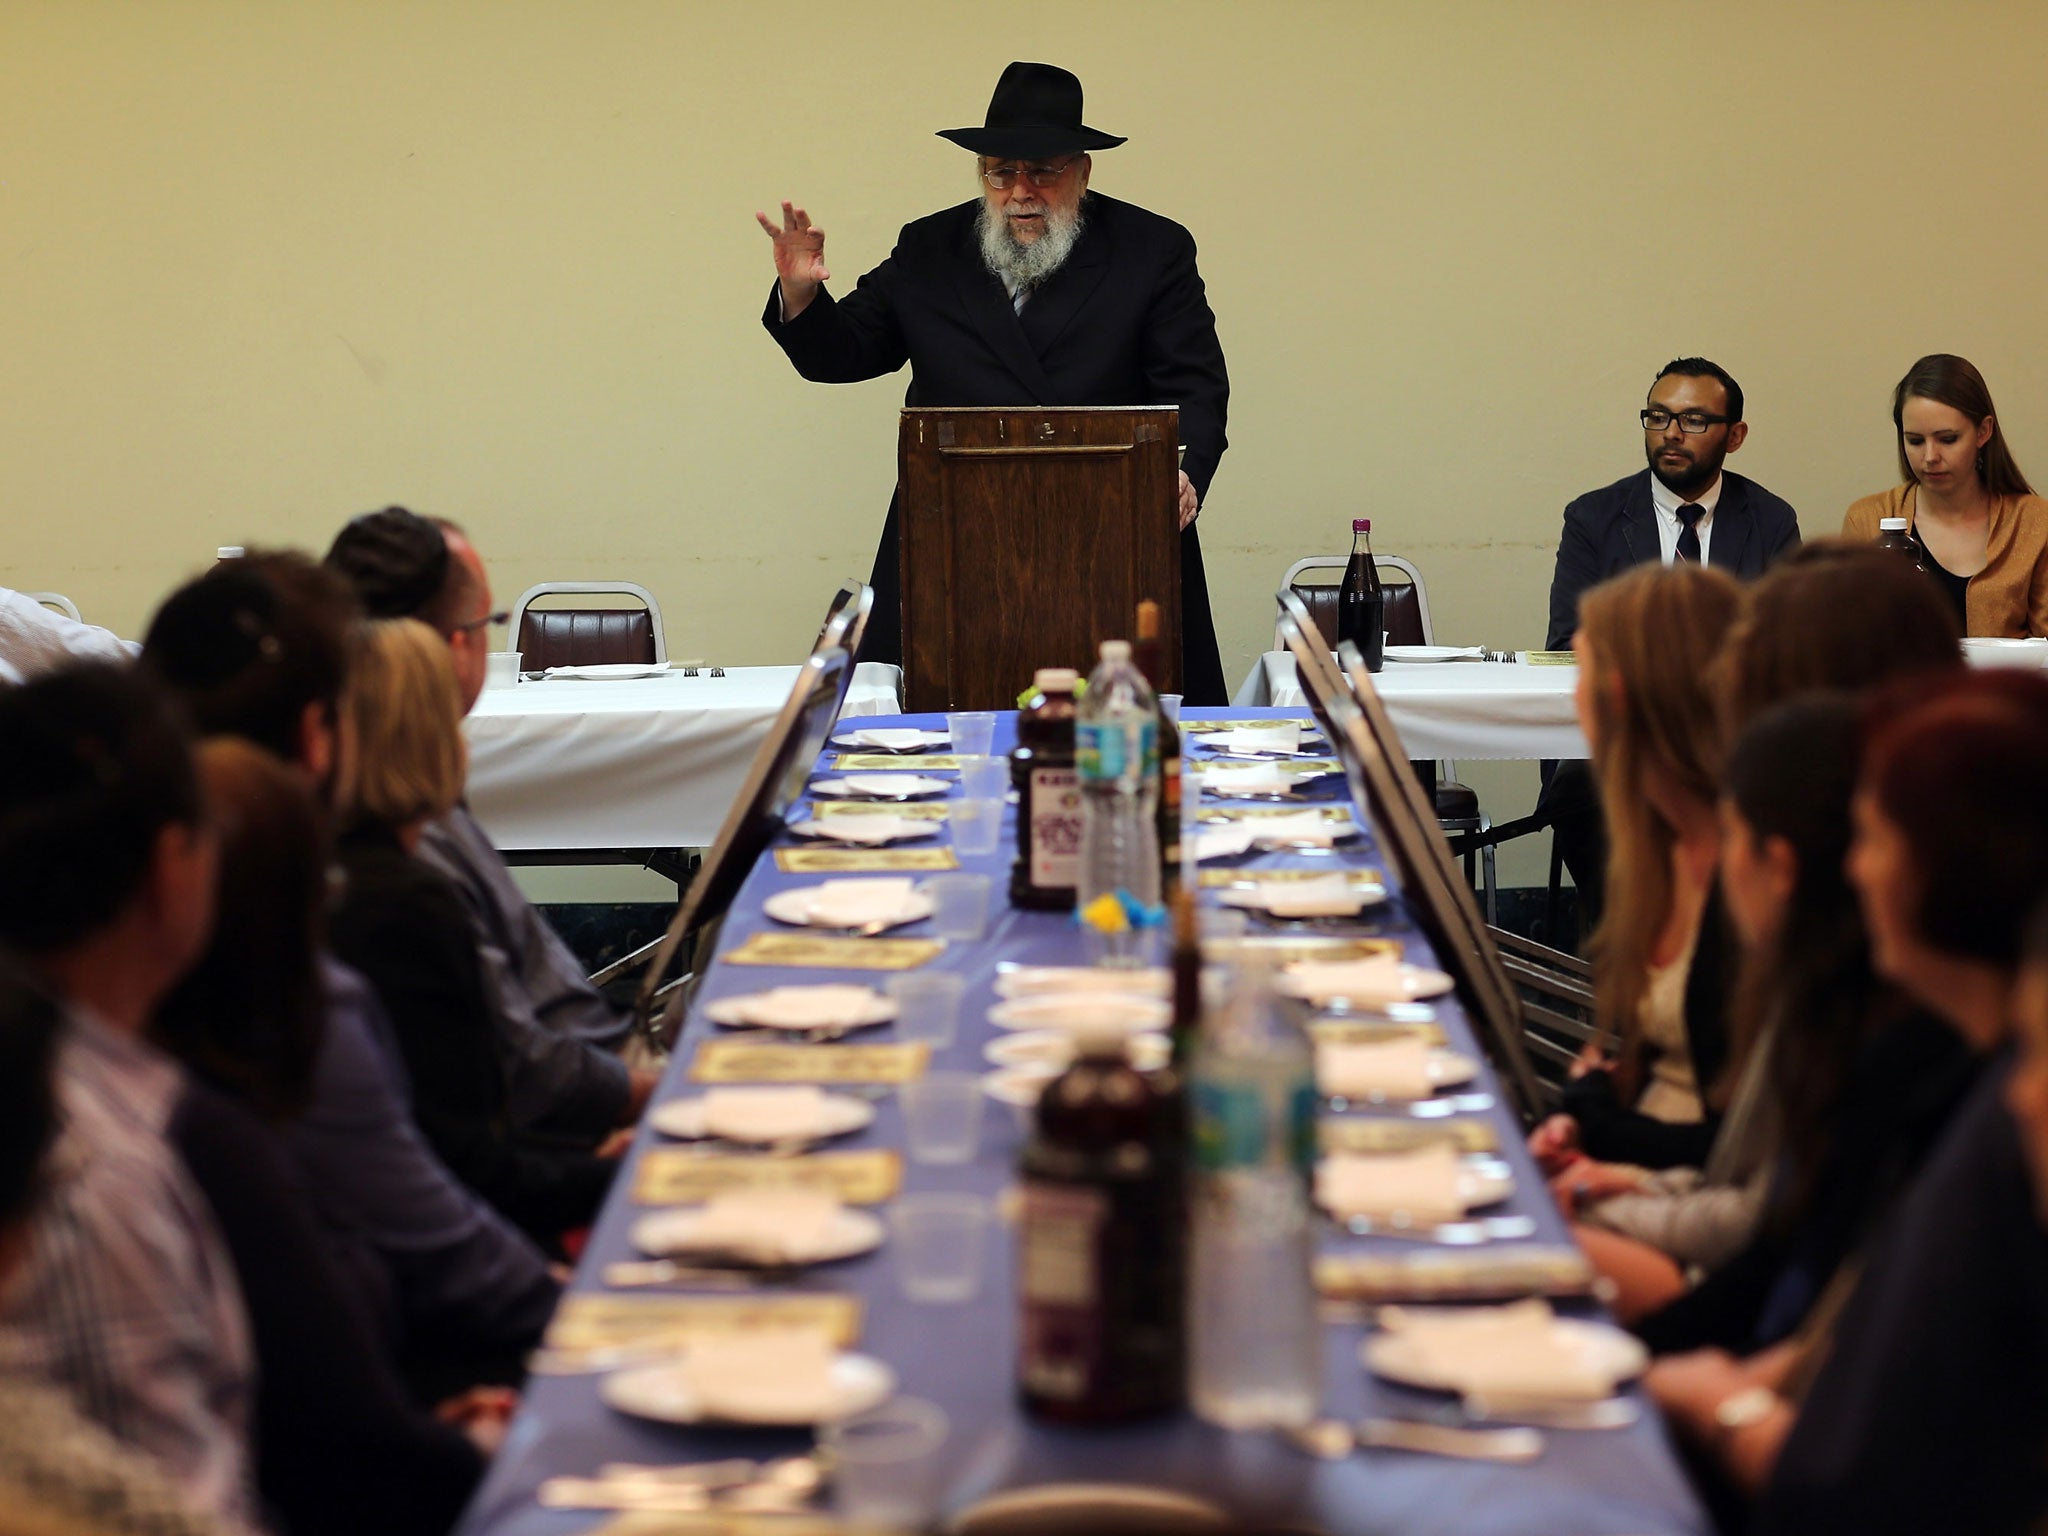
(1039, 292)
(1685, 506)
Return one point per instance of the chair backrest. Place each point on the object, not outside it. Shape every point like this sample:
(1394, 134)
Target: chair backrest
(1343, 697)
(782, 766)
(58, 601)
(1407, 598)
(846, 620)
(587, 637)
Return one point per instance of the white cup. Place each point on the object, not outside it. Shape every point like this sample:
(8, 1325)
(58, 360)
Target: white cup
(885, 1464)
(501, 669)
(971, 733)
(1169, 706)
(938, 1241)
(977, 826)
(985, 778)
(959, 905)
(927, 1005)
(942, 1117)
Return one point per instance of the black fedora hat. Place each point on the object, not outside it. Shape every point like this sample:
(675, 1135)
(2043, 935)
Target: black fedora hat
(1035, 113)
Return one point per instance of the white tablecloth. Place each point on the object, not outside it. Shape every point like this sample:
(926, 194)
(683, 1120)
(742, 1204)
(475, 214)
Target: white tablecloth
(1454, 709)
(653, 762)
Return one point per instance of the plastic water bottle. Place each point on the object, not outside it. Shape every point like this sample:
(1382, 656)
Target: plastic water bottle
(1254, 1340)
(1116, 756)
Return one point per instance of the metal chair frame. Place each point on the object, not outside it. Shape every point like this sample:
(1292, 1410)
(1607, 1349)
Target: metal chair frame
(592, 588)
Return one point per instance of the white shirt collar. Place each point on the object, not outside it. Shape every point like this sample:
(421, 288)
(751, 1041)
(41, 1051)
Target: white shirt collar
(1666, 500)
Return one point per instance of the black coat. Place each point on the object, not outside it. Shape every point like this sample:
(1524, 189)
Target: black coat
(1125, 321)
(1611, 529)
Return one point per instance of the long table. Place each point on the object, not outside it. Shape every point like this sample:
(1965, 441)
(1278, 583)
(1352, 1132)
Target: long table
(646, 762)
(1618, 1482)
(1454, 709)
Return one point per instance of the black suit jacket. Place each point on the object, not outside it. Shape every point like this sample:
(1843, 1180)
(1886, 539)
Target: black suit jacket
(1125, 321)
(1608, 530)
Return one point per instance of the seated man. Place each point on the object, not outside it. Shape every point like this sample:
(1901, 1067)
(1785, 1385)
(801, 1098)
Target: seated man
(258, 648)
(127, 1298)
(554, 1027)
(56, 1466)
(35, 638)
(1684, 506)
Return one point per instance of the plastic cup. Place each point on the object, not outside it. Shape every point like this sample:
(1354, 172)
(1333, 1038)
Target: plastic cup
(927, 1005)
(1227, 923)
(971, 733)
(977, 826)
(1132, 948)
(501, 669)
(885, 1464)
(938, 1240)
(985, 778)
(959, 905)
(942, 1117)
(1169, 706)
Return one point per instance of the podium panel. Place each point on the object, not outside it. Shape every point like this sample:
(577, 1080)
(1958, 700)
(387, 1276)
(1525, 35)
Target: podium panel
(1029, 536)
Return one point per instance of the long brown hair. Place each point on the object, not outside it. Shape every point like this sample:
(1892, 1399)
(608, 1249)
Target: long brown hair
(1955, 382)
(1836, 613)
(1652, 634)
(252, 1012)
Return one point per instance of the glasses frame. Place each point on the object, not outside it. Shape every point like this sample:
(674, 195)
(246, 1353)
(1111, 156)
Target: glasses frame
(1685, 420)
(1003, 176)
(483, 623)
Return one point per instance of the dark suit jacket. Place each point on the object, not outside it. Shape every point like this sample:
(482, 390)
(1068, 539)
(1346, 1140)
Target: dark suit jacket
(1608, 530)
(1124, 322)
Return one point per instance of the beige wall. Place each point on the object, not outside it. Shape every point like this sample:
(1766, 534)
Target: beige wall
(263, 265)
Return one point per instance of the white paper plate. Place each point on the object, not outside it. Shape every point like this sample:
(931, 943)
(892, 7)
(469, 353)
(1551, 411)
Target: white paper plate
(755, 1010)
(1128, 1012)
(1258, 898)
(1432, 653)
(1019, 1087)
(904, 786)
(893, 829)
(1044, 980)
(839, 1114)
(1396, 1355)
(1997, 651)
(793, 907)
(610, 671)
(1483, 1180)
(1053, 1048)
(1445, 1069)
(900, 740)
(671, 1235)
(1410, 982)
(855, 1384)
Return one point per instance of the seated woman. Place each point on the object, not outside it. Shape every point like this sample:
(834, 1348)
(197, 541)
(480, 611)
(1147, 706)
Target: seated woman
(1833, 615)
(1982, 530)
(1645, 643)
(339, 1447)
(403, 926)
(1923, 1402)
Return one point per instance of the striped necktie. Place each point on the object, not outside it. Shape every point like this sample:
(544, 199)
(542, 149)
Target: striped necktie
(1690, 513)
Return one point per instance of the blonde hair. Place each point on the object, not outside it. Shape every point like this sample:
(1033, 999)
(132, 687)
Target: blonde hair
(405, 711)
(1653, 634)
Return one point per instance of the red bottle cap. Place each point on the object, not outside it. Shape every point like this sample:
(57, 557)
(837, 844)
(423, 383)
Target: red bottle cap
(1361, 525)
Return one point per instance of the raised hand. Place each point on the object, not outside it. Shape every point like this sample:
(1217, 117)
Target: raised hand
(799, 257)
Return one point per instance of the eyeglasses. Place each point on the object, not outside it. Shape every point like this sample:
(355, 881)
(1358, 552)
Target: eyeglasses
(1691, 423)
(1039, 173)
(476, 624)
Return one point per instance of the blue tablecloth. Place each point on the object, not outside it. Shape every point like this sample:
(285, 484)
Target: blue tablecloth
(1625, 1482)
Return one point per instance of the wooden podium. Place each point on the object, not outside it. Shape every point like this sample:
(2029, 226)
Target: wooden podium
(1029, 536)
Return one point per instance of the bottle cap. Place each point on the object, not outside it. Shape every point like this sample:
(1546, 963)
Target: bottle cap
(1115, 650)
(1891, 525)
(1148, 620)
(1361, 525)
(228, 552)
(1055, 679)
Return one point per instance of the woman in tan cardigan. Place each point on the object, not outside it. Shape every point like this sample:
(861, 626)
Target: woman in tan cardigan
(1982, 530)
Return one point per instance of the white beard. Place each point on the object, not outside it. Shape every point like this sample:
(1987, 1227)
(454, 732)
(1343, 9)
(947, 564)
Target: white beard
(1023, 266)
